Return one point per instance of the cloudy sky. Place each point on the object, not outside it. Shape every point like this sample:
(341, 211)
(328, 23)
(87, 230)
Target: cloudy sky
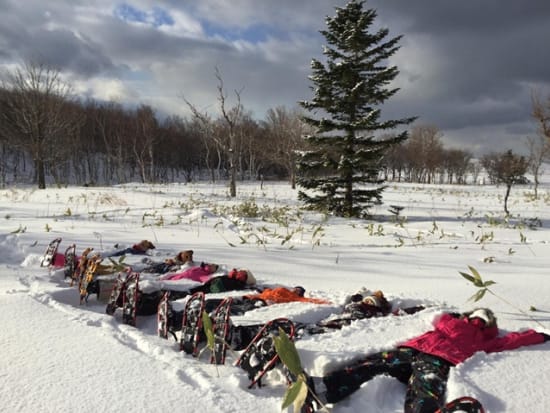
(468, 67)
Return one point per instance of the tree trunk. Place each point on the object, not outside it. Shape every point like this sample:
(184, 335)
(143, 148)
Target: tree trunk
(508, 188)
(40, 174)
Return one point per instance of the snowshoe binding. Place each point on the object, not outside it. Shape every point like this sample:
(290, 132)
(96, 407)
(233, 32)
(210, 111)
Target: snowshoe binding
(115, 299)
(191, 327)
(260, 355)
(88, 277)
(164, 316)
(69, 266)
(130, 299)
(221, 327)
(49, 255)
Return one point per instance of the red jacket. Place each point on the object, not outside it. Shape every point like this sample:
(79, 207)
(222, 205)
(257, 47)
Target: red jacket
(456, 339)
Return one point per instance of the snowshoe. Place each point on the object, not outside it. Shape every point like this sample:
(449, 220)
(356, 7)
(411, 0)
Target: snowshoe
(260, 355)
(164, 315)
(130, 299)
(462, 404)
(191, 327)
(115, 300)
(69, 266)
(88, 277)
(49, 254)
(81, 265)
(221, 327)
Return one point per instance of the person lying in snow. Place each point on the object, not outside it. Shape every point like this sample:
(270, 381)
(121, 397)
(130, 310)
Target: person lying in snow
(423, 362)
(184, 257)
(140, 248)
(201, 273)
(182, 260)
(362, 305)
(236, 279)
(240, 336)
(283, 295)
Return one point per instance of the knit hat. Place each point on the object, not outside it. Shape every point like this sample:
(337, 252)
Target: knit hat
(300, 290)
(185, 256)
(484, 314)
(372, 300)
(243, 275)
(210, 267)
(250, 279)
(146, 245)
(355, 298)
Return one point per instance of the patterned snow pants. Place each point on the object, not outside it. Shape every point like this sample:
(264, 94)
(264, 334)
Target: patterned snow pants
(425, 375)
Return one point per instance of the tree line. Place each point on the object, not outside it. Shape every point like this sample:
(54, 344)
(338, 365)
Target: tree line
(48, 135)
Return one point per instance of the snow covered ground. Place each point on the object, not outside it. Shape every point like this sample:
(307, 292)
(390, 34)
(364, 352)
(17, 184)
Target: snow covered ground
(59, 356)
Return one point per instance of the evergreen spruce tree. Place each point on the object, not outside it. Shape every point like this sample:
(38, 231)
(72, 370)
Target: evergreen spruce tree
(341, 168)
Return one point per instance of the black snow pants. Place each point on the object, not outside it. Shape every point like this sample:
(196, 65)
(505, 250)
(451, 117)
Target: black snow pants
(425, 375)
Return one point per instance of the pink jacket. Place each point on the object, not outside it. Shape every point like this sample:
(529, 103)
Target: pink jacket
(456, 339)
(198, 274)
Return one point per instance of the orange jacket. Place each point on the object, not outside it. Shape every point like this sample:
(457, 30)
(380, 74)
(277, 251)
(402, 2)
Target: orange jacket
(283, 295)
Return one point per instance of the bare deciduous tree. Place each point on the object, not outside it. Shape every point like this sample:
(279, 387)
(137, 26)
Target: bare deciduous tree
(36, 118)
(506, 168)
(285, 130)
(231, 117)
(456, 163)
(226, 138)
(143, 142)
(539, 151)
(539, 147)
(541, 113)
(425, 152)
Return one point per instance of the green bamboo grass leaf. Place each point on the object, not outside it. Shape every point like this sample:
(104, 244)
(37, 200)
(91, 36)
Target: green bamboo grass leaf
(19, 230)
(118, 265)
(478, 295)
(483, 286)
(467, 276)
(208, 330)
(287, 353)
(481, 294)
(296, 394)
(475, 272)
(475, 277)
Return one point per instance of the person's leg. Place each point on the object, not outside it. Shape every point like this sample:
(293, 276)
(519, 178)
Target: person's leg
(341, 383)
(427, 384)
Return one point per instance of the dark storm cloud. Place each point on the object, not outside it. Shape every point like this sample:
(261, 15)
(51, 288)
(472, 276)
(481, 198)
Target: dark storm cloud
(62, 49)
(487, 16)
(465, 66)
(26, 36)
(485, 60)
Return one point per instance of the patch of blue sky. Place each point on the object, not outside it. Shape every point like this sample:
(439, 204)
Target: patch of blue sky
(155, 17)
(255, 33)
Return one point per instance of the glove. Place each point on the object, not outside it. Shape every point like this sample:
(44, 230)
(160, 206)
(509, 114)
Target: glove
(356, 298)
(546, 336)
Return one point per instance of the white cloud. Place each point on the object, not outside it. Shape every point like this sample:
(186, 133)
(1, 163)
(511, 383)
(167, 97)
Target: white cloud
(184, 25)
(105, 89)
